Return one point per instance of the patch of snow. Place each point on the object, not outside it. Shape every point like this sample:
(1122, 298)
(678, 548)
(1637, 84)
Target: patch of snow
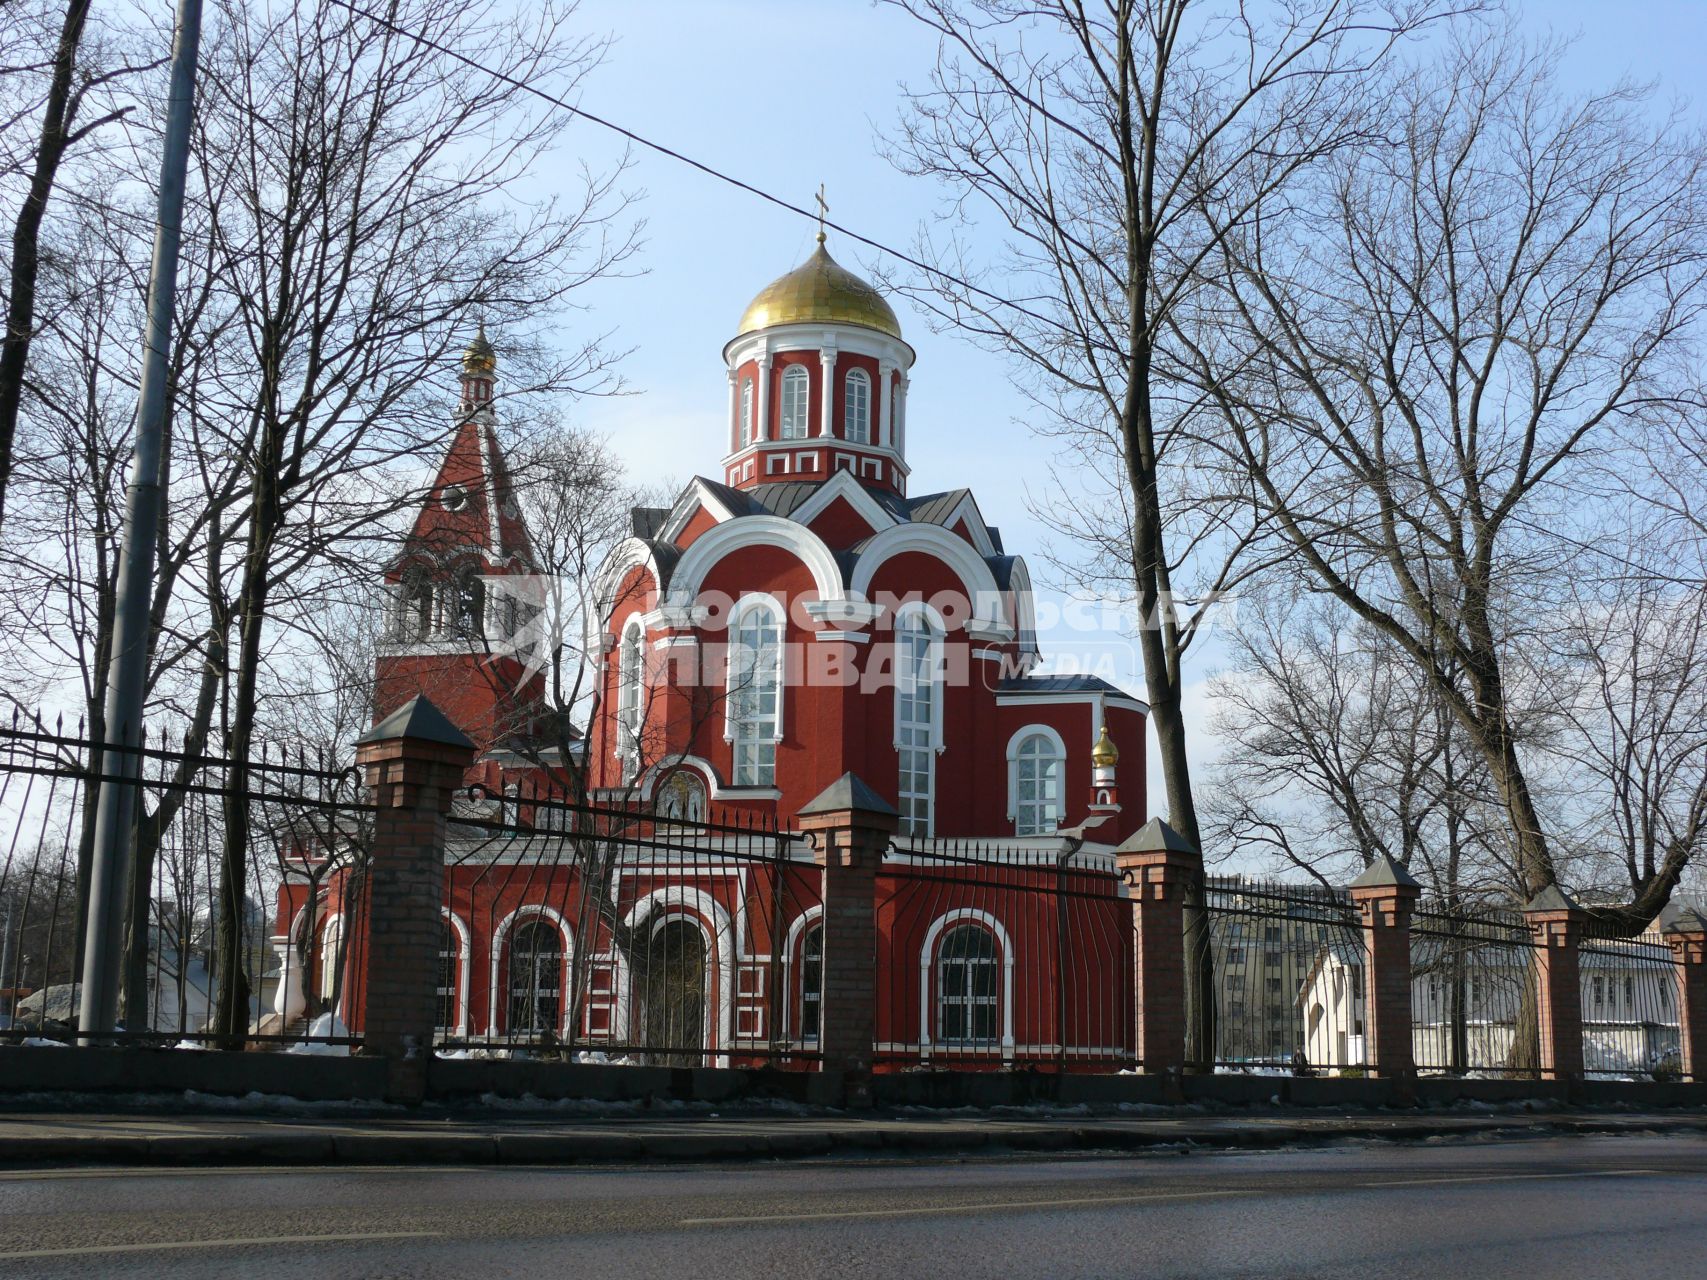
(322, 1028)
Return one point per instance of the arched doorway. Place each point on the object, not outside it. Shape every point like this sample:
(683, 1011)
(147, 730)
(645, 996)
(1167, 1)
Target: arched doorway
(672, 996)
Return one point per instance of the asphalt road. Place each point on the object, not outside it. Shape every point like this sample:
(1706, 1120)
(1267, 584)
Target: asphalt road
(1591, 1207)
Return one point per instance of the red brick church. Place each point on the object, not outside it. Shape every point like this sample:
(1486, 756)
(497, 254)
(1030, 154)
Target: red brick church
(794, 618)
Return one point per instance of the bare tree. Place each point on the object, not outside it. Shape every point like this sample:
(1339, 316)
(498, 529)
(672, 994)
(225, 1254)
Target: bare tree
(70, 109)
(354, 177)
(1334, 752)
(1091, 135)
(1425, 361)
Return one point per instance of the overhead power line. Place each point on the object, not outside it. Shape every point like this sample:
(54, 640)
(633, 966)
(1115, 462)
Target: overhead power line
(710, 171)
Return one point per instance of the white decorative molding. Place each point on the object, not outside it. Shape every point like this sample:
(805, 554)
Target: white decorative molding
(755, 531)
(927, 973)
(846, 487)
(953, 550)
(520, 914)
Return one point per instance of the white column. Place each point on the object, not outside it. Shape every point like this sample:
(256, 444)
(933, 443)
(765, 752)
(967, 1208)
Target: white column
(901, 416)
(764, 431)
(827, 401)
(289, 1000)
(734, 423)
(885, 371)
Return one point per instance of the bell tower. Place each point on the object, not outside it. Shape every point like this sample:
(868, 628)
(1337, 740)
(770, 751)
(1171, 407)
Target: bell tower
(452, 618)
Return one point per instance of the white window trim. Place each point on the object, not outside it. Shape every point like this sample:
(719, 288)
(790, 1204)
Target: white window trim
(798, 375)
(744, 434)
(939, 634)
(1014, 743)
(627, 745)
(791, 946)
(856, 378)
(737, 618)
(927, 976)
(521, 915)
(464, 971)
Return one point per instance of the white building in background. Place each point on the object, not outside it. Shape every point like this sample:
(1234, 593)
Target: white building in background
(1629, 994)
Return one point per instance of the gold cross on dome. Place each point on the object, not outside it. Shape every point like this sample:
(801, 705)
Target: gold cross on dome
(823, 208)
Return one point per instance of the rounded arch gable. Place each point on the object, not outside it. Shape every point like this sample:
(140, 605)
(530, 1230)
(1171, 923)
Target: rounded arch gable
(755, 531)
(948, 548)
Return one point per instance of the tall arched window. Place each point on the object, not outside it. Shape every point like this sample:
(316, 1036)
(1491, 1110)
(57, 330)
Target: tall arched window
(755, 692)
(629, 711)
(856, 407)
(968, 988)
(796, 397)
(746, 430)
(450, 955)
(536, 979)
(916, 715)
(1036, 804)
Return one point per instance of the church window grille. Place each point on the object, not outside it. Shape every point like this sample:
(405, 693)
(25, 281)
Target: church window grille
(796, 398)
(755, 693)
(536, 979)
(856, 407)
(811, 983)
(969, 988)
(746, 436)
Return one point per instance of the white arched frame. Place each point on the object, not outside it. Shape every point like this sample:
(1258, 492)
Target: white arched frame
(464, 970)
(501, 936)
(683, 902)
(927, 972)
(1057, 752)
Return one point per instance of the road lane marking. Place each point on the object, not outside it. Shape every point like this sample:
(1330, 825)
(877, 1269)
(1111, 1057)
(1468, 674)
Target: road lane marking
(979, 1207)
(342, 1238)
(1525, 1177)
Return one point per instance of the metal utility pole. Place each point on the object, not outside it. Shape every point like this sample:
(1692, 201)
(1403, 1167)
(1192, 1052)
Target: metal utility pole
(127, 671)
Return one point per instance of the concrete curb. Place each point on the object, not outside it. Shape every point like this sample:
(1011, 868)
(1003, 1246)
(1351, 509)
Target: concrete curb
(697, 1144)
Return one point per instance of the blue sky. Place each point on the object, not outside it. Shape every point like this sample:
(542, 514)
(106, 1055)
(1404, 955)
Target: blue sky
(789, 93)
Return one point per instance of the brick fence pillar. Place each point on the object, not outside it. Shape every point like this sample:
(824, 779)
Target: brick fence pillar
(414, 761)
(849, 826)
(1158, 865)
(1385, 895)
(1556, 924)
(1686, 935)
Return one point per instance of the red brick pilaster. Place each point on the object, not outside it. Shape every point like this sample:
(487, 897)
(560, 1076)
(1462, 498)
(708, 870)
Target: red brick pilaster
(1158, 867)
(414, 762)
(1686, 935)
(1385, 895)
(1556, 924)
(849, 827)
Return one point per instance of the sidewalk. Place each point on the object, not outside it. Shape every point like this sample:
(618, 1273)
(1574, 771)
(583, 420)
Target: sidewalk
(73, 1139)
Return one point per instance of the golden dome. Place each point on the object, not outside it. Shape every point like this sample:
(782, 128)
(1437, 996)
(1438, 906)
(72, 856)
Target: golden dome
(819, 291)
(479, 357)
(1104, 755)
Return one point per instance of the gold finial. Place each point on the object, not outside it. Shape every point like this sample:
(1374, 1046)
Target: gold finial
(1104, 755)
(823, 208)
(479, 357)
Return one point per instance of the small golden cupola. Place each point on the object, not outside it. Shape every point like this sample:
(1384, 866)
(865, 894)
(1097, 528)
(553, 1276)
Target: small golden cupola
(479, 371)
(1105, 788)
(1104, 755)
